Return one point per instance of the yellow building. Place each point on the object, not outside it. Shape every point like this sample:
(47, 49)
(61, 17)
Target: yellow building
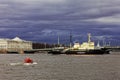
(14, 45)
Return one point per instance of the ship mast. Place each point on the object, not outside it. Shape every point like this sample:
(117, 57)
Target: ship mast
(58, 40)
(70, 39)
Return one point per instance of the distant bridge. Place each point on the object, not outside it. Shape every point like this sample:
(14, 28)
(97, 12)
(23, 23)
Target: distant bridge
(37, 50)
(27, 51)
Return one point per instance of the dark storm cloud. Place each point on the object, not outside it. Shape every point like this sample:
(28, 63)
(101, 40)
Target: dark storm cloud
(38, 20)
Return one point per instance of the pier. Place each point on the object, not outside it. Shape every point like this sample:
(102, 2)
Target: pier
(113, 48)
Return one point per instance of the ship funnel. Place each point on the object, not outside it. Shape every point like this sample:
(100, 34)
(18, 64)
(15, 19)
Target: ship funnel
(89, 37)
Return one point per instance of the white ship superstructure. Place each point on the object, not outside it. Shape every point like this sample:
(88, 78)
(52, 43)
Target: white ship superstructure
(85, 45)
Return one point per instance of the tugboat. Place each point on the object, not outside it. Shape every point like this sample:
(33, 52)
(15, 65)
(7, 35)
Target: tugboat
(84, 48)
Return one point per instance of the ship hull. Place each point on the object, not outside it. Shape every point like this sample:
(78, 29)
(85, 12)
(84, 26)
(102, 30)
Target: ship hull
(80, 52)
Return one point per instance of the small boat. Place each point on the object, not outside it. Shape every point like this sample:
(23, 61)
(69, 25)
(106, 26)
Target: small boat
(27, 61)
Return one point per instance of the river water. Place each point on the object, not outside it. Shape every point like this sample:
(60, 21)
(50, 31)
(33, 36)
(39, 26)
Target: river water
(60, 67)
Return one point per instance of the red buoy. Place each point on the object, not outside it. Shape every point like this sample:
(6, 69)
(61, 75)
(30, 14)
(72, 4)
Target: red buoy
(28, 60)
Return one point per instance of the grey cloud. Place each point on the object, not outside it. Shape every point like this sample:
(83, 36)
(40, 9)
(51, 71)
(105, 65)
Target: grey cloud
(40, 19)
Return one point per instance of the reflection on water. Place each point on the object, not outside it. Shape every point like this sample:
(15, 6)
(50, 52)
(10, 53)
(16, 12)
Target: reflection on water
(60, 67)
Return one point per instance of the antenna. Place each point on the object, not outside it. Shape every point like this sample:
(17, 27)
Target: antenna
(109, 43)
(103, 42)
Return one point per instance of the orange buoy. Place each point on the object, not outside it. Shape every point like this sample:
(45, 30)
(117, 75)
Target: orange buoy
(28, 60)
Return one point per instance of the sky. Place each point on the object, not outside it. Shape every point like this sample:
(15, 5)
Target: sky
(45, 20)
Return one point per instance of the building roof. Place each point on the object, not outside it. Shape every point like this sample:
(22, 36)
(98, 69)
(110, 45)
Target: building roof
(17, 39)
(14, 39)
